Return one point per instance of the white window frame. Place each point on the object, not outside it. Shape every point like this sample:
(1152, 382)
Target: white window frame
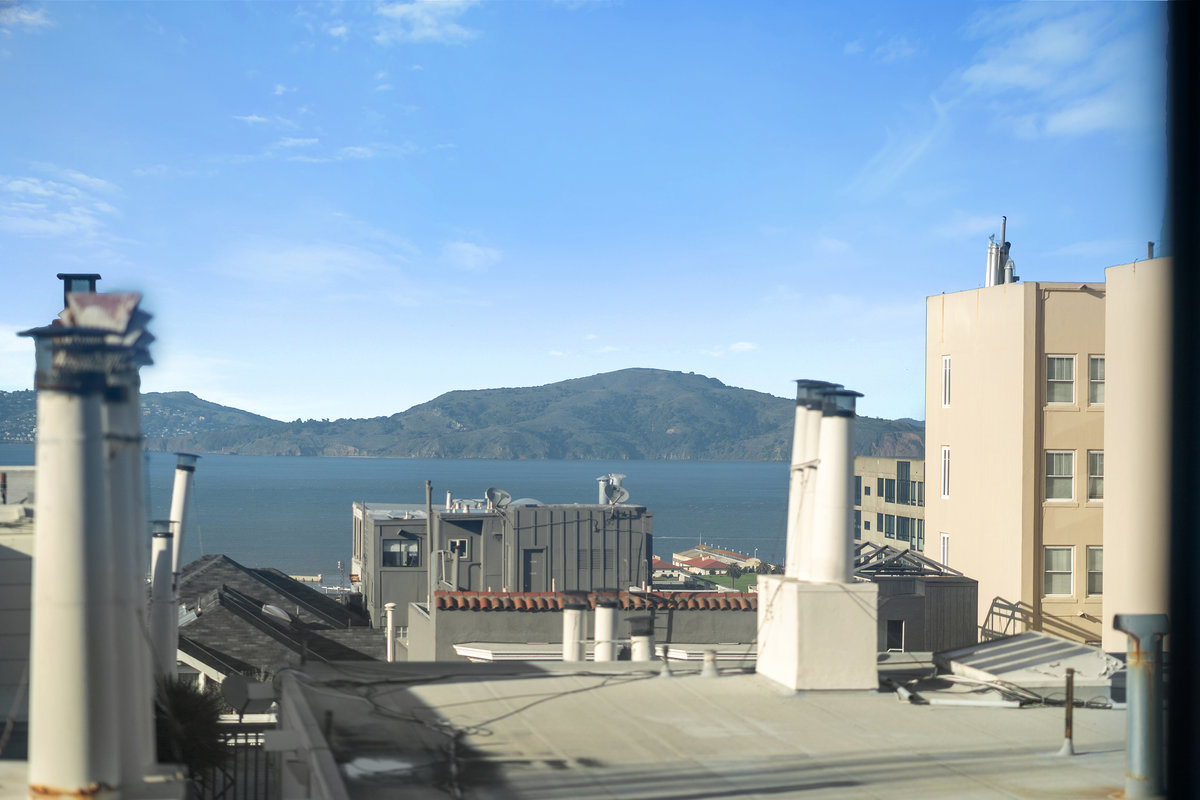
(945, 470)
(1065, 357)
(1093, 475)
(1089, 571)
(945, 381)
(1094, 383)
(945, 549)
(1058, 476)
(465, 549)
(1046, 571)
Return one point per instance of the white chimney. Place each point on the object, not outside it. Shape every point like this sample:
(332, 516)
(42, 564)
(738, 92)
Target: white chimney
(389, 610)
(605, 647)
(164, 607)
(802, 482)
(122, 425)
(832, 538)
(75, 746)
(181, 492)
(572, 630)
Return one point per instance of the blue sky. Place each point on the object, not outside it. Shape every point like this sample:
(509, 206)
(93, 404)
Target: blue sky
(345, 209)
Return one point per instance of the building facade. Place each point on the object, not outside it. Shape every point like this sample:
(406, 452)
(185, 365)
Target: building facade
(1014, 410)
(523, 547)
(889, 501)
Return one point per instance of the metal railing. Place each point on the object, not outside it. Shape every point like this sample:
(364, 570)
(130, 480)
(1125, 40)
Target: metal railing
(249, 771)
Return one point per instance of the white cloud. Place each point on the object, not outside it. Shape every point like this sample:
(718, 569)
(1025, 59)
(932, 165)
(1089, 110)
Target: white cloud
(383, 87)
(742, 347)
(470, 257)
(356, 152)
(251, 119)
(897, 48)
(281, 89)
(424, 21)
(590, 337)
(608, 348)
(853, 48)
(339, 31)
(14, 15)
(556, 353)
(309, 263)
(1068, 70)
(898, 154)
(36, 207)
(289, 141)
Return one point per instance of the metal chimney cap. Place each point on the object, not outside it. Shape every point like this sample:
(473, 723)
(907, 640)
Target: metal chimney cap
(808, 391)
(161, 528)
(839, 402)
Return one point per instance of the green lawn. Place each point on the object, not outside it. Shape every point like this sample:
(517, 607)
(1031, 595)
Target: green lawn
(742, 584)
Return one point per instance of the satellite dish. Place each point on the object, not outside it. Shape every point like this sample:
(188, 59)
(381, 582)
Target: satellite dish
(275, 611)
(616, 493)
(498, 497)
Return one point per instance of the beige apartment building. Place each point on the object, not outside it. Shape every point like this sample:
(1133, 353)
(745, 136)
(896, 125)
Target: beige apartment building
(1015, 391)
(889, 501)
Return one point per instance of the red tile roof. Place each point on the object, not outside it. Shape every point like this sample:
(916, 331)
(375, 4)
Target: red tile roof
(658, 563)
(553, 601)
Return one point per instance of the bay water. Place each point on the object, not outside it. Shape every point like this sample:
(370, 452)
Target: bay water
(293, 512)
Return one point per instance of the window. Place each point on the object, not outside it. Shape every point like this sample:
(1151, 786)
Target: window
(945, 381)
(460, 547)
(904, 529)
(1060, 474)
(945, 471)
(857, 523)
(879, 487)
(895, 634)
(889, 490)
(1057, 575)
(858, 490)
(889, 526)
(1060, 379)
(1095, 570)
(920, 536)
(921, 493)
(401, 553)
(1096, 380)
(879, 523)
(945, 549)
(867, 490)
(1095, 474)
(866, 524)
(903, 485)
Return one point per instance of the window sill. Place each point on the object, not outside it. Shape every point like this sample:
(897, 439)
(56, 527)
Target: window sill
(1060, 407)
(1059, 504)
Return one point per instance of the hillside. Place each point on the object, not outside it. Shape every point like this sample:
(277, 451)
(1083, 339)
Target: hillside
(628, 414)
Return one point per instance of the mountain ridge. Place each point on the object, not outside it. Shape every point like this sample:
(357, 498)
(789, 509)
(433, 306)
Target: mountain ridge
(636, 413)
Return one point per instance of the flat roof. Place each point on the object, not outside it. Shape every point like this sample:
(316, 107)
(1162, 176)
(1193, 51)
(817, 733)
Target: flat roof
(618, 729)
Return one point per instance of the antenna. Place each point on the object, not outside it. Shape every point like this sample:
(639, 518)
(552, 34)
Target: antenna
(497, 497)
(615, 493)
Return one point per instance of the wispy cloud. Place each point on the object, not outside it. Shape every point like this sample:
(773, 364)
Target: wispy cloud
(299, 262)
(898, 154)
(291, 141)
(68, 209)
(338, 31)
(896, 48)
(14, 15)
(424, 21)
(469, 256)
(1066, 70)
(853, 48)
(280, 89)
(251, 119)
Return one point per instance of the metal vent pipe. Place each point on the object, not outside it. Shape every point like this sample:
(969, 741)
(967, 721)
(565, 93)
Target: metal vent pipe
(605, 634)
(572, 630)
(181, 492)
(164, 610)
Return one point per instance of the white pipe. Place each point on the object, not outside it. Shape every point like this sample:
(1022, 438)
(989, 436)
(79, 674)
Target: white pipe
(164, 612)
(802, 483)
(73, 732)
(572, 634)
(796, 478)
(389, 610)
(185, 472)
(641, 648)
(808, 502)
(832, 540)
(135, 686)
(605, 648)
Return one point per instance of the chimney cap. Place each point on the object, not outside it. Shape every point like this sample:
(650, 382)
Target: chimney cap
(809, 391)
(839, 402)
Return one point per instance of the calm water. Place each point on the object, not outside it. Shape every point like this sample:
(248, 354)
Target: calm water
(293, 513)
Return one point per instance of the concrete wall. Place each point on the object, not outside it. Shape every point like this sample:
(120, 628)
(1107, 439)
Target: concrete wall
(16, 578)
(869, 470)
(1137, 442)
(938, 612)
(998, 427)
(691, 626)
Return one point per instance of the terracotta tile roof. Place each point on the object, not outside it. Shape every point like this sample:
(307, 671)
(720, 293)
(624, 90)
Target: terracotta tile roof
(706, 563)
(554, 601)
(658, 563)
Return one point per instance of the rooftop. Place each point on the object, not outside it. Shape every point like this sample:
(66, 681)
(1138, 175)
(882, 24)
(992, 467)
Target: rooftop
(619, 729)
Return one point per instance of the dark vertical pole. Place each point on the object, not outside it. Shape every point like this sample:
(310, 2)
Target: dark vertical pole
(1070, 705)
(1183, 769)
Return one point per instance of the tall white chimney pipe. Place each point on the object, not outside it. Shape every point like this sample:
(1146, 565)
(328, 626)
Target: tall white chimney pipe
(801, 485)
(135, 691)
(641, 639)
(605, 635)
(181, 492)
(572, 630)
(389, 611)
(832, 539)
(73, 735)
(164, 608)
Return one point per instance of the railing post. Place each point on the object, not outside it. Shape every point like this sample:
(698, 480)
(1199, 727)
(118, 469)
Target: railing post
(1144, 714)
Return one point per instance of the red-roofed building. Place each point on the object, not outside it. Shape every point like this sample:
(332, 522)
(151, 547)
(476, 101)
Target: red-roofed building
(705, 566)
